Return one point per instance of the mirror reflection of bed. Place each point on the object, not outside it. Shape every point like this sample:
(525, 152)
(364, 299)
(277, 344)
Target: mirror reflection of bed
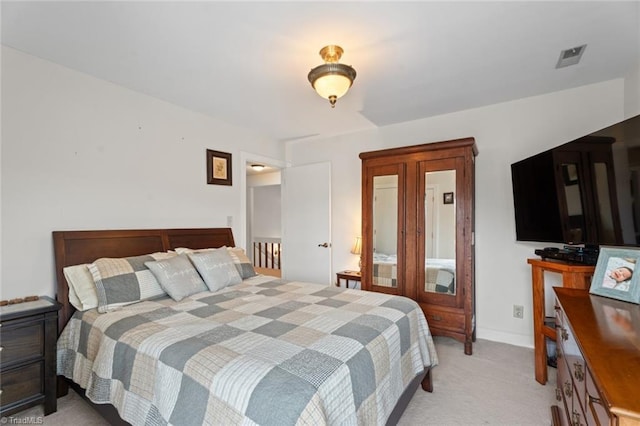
(440, 225)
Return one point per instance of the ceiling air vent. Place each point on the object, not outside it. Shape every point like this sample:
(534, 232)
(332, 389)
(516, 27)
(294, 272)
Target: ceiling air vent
(570, 56)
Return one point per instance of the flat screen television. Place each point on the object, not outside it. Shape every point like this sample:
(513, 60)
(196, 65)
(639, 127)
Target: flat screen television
(584, 192)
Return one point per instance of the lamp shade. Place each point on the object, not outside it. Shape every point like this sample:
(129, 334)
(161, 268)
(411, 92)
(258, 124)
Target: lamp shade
(332, 80)
(357, 246)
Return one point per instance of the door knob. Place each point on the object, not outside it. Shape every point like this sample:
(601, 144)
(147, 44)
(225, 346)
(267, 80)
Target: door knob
(325, 245)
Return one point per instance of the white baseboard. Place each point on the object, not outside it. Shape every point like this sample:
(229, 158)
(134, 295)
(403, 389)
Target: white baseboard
(524, 340)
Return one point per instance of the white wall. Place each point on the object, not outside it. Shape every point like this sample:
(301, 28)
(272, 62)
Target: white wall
(504, 133)
(257, 223)
(264, 179)
(632, 93)
(267, 211)
(76, 150)
(82, 153)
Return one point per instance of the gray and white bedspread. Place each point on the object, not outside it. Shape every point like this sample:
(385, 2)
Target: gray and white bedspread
(263, 352)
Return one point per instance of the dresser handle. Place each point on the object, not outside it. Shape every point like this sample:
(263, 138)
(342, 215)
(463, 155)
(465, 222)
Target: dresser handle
(578, 373)
(575, 418)
(568, 389)
(565, 335)
(559, 394)
(594, 400)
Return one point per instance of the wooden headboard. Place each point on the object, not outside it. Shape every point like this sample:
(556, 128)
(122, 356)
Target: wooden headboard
(78, 247)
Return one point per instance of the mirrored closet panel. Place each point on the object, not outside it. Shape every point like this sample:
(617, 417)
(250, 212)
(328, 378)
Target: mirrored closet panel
(385, 230)
(438, 219)
(384, 227)
(417, 230)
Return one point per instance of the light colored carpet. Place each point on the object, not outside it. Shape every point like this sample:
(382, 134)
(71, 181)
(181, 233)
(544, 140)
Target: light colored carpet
(494, 386)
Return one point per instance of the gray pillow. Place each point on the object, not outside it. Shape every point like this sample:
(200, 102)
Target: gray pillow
(216, 268)
(123, 281)
(177, 276)
(242, 262)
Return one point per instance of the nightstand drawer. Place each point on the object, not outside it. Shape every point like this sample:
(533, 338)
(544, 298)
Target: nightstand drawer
(21, 342)
(28, 356)
(21, 383)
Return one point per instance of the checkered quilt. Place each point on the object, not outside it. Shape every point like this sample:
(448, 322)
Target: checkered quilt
(385, 274)
(265, 351)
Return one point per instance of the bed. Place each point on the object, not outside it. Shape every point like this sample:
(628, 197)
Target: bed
(263, 351)
(439, 273)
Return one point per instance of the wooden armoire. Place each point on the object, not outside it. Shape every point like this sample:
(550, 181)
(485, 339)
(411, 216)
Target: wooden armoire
(418, 231)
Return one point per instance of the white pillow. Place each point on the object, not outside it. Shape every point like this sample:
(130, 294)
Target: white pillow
(82, 288)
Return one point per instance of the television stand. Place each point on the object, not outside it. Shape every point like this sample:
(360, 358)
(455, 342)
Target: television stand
(573, 276)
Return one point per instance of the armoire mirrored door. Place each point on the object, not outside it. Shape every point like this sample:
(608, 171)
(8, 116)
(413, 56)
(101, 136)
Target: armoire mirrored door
(383, 248)
(437, 231)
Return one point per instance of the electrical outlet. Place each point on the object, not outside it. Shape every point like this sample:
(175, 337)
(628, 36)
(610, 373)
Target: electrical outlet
(518, 311)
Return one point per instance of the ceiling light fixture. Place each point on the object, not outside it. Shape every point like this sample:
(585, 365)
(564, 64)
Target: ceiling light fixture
(332, 80)
(257, 167)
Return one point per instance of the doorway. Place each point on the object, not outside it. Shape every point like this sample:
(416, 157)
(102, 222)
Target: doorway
(263, 217)
(308, 190)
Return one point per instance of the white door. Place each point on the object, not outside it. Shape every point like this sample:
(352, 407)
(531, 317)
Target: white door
(306, 223)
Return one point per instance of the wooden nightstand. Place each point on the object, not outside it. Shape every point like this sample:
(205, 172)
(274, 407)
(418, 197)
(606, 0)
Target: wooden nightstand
(348, 276)
(28, 334)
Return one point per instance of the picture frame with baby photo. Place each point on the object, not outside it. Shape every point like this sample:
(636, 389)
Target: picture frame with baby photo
(615, 275)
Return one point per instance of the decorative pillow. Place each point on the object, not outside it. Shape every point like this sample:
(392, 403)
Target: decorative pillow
(177, 277)
(240, 259)
(242, 262)
(216, 268)
(444, 281)
(122, 281)
(82, 288)
(184, 250)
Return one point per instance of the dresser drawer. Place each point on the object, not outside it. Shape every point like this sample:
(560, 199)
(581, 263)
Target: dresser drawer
(21, 383)
(21, 341)
(595, 410)
(440, 318)
(564, 390)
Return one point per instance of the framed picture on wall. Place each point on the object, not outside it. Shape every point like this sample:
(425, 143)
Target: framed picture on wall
(615, 275)
(218, 168)
(447, 198)
(570, 174)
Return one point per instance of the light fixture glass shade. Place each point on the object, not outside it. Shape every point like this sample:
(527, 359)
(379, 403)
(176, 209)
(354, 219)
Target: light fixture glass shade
(357, 246)
(332, 80)
(329, 85)
(257, 167)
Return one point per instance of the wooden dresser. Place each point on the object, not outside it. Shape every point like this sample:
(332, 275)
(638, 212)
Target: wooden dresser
(598, 360)
(28, 356)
